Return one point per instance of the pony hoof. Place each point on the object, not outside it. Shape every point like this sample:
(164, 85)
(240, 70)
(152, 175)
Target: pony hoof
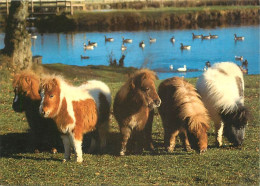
(79, 160)
(54, 151)
(203, 151)
(170, 150)
(64, 160)
(188, 149)
(122, 153)
(219, 144)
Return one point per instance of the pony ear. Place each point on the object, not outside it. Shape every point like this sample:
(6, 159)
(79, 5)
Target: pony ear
(132, 84)
(54, 81)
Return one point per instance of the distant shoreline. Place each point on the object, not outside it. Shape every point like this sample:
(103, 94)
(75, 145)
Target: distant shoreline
(159, 18)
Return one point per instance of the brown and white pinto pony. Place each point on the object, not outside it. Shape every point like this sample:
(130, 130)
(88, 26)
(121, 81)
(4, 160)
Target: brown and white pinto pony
(182, 111)
(222, 90)
(27, 99)
(134, 109)
(76, 111)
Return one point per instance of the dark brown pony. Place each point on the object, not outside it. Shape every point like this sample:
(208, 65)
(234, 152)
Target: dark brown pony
(27, 99)
(182, 111)
(134, 109)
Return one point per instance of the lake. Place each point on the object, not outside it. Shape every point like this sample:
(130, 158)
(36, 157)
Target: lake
(158, 56)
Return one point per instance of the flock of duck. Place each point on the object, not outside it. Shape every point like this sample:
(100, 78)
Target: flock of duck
(92, 45)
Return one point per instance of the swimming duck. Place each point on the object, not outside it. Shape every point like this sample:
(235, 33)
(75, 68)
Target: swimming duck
(213, 36)
(92, 43)
(195, 36)
(205, 37)
(239, 58)
(84, 57)
(123, 47)
(109, 39)
(88, 47)
(172, 39)
(239, 37)
(127, 40)
(182, 69)
(141, 44)
(152, 40)
(185, 47)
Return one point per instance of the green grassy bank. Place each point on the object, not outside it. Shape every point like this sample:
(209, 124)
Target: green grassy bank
(226, 165)
(151, 18)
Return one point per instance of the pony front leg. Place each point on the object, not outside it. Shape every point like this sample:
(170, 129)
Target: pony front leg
(67, 146)
(77, 145)
(219, 132)
(172, 140)
(126, 133)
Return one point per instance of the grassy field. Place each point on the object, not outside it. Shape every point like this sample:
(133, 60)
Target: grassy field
(226, 165)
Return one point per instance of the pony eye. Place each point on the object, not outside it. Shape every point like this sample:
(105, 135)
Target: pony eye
(51, 96)
(145, 88)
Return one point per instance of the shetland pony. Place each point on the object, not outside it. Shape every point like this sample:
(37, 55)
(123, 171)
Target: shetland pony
(27, 99)
(134, 109)
(182, 111)
(76, 111)
(222, 90)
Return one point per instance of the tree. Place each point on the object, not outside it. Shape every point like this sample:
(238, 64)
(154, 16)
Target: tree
(17, 39)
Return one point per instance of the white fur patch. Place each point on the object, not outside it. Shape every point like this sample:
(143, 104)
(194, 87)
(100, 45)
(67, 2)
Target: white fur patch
(218, 87)
(16, 98)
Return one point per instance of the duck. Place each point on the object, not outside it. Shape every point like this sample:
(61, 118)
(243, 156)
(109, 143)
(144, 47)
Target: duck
(34, 36)
(239, 58)
(127, 40)
(110, 39)
(205, 68)
(205, 37)
(182, 69)
(245, 63)
(172, 39)
(88, 47)
(208, 64)
(185, 47)
(84, 57)
(195, 36)
(123, 47)
(141, 44)
(152, 40)
(92, 43)
(239, 37)
(171, 67)
(213, 36)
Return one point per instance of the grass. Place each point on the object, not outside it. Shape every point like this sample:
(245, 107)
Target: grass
(226, 165)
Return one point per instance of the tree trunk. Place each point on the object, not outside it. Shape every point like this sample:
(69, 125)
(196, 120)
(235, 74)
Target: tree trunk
(17, 39)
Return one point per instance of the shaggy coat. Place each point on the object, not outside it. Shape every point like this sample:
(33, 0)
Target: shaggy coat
(27, 99)
(182, 111)
(134, 109)
(222, 90)
(76, 111)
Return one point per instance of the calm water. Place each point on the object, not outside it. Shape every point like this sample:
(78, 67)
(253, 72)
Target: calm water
(67, 49)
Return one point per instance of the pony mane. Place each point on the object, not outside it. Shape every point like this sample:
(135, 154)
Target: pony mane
(50, 81)
(191, 107)
(142, 73)
(27, 81)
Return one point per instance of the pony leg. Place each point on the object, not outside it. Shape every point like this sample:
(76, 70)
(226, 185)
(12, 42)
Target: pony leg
(102, 131)
(219, 133)
(148, 132)
(186, 142)
(67, 147)
(78, 150)
(126, 133)
(172, 140)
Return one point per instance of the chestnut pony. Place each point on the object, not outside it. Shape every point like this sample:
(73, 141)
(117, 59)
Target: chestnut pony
(76, 111)
(182, 111)
(27, 99)
(134, 108)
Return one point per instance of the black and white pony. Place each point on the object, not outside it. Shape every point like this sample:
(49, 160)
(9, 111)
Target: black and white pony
(222, 90)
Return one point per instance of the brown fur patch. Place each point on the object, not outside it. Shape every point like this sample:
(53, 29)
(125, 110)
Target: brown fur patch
(239, 86)
(222, 71)
(27, 82)
(104, 108)
(86, 117)
(63, 118)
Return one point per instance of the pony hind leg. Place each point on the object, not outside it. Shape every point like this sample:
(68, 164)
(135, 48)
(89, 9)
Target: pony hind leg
(102, 132)
(148, 132)
(126, 133)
